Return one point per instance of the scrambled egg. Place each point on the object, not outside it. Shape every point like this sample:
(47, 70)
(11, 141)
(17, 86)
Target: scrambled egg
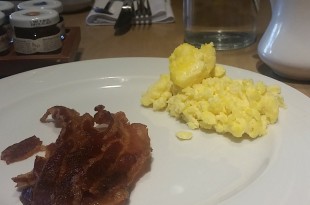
(198, 92)
(184, 135)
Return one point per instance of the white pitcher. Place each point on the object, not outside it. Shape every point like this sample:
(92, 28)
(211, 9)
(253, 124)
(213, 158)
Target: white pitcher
(285, 45)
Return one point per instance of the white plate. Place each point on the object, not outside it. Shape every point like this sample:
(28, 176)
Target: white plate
(209, 169)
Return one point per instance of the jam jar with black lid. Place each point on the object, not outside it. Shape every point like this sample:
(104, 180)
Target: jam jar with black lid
(35, 31)
(4, 40)
(7, 8)
(46, 4)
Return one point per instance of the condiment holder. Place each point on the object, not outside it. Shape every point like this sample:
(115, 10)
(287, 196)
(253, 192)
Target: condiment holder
(36, 31)
(13, 63)
(40, 37)
(7, 8)
(46, 4)
(4, 40)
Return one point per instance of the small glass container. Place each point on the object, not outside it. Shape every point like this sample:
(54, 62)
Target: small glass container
(227, 24)
(35, 31)
(46, 4)
(7, 8)
(4, 40)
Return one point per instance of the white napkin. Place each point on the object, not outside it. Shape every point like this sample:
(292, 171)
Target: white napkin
(161, 12)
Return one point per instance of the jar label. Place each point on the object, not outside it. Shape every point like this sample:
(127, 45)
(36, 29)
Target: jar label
(4, 42)
(41, 45)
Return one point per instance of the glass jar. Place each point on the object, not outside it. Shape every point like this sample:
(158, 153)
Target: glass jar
(46, 4)
(4, 40)
(35, 31)
(7, 8)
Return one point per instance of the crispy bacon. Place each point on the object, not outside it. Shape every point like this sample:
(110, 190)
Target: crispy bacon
(22, 150)
(95, 160)
(30, 178)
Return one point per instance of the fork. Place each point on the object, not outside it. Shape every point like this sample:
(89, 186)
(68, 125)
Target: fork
(143, 13)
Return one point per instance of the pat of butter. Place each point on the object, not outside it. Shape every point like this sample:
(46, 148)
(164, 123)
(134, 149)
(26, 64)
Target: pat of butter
(184, 135)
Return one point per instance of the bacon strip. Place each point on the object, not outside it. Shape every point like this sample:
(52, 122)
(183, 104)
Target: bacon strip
(22, 150)
(95, 160)
(30, 178)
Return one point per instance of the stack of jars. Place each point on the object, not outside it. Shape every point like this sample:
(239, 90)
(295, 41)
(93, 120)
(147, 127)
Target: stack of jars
(37, 27)
(6, 8)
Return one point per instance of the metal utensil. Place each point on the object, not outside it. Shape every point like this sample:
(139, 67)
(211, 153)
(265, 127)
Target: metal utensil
(106, 9)
(143, 13)
(149, 12)
(124, 20)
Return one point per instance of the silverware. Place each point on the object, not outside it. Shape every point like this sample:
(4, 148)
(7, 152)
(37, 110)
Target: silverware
(124, 20)
(143, 13)
(106, 9)
(149, 11)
